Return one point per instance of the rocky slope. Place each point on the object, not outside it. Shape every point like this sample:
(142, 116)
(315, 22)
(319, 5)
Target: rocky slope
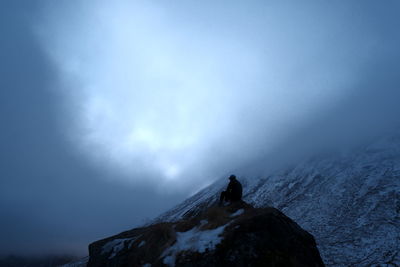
(349, 202)
(234, 235)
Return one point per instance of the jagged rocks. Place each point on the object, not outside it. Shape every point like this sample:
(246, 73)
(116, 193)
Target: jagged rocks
(236, 235)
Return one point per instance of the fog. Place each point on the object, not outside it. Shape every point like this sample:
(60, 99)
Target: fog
(115, 111)
(185, 92)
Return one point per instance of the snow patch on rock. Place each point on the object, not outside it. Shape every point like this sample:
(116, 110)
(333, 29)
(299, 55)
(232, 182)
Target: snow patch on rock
(116, 245)
(193, 240)
(237, 213)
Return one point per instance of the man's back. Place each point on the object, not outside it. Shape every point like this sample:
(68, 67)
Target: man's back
(235, 189)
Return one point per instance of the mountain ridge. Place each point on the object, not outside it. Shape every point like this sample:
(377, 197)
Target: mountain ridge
(349, 201)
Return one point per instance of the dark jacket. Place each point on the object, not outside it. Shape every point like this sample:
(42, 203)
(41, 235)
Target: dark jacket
(234, 190)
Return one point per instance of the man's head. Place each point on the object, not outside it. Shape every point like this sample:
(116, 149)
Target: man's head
(232, 177)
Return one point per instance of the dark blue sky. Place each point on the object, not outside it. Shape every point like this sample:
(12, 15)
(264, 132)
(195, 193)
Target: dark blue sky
(113, 112)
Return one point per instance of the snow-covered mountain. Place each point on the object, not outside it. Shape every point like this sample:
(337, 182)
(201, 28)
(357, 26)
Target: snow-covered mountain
(349, 202)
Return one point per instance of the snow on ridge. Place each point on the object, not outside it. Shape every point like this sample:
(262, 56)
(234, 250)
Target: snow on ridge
(237, 213)
(349, 202)
(193, 240)
(116, 245)
(142, 243)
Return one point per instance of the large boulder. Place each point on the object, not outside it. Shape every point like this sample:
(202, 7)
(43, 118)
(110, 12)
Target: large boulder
(234, 235)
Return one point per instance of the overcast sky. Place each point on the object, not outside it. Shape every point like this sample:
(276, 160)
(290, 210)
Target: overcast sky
(114, 111)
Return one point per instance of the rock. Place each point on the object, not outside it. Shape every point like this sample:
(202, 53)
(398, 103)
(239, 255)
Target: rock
(235, 235)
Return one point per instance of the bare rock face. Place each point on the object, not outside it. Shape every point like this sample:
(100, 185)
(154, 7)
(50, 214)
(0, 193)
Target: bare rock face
(235, 235)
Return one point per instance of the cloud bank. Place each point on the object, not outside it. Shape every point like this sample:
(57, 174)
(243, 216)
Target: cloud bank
(181, 92)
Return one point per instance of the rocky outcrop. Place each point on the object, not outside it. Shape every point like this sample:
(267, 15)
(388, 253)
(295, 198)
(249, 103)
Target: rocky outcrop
(235, 235)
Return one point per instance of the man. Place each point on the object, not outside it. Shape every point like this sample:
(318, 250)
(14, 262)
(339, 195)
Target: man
(233, 191)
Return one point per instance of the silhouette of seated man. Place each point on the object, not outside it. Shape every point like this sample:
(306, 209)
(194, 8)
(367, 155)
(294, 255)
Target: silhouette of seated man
(233, 191)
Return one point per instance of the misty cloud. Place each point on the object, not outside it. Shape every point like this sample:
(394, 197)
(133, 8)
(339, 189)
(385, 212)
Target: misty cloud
(182, 92)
